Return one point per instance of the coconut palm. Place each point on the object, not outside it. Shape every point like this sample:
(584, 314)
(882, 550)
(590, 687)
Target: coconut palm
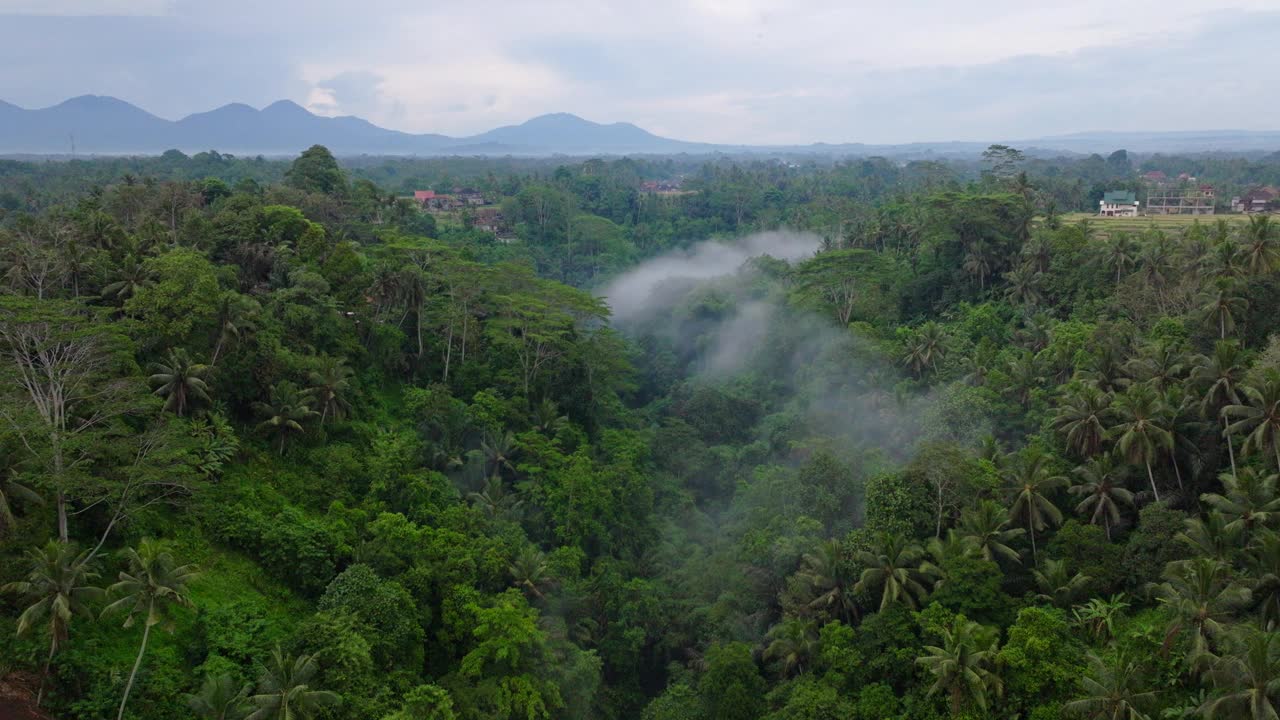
(893, 565)
(1259, 416)
(494, 500)
(985, 527)
(1102, 492)
(152, 586)
(220, 697)
(926, 348)
(1111, 691)
(964, 665)
(830, 578)
(286, 415)
(1026, 373)
(1221, 305)
(235, 317)
(131, 276)
(1212, 536)
(329, 385)
(1058, 585)
(1249, 500)
(1261, 253)
(285, 692)
(793, 644)
(977, 263)
(498, 450)
(11, 489)
(1024, 286)
(1203, 599)
(1029, 482)
(1161, 364)
(1218, 379)
(529, 572)
(1120, 254)
(181, 382)
(58, 586)
(1139, 434)
(942, 553)
(1247, 677)
(1083, 418)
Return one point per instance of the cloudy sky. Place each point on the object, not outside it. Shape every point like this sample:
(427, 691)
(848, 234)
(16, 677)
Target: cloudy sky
(740, 71)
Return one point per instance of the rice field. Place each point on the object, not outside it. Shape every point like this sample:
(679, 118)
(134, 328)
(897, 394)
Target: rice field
(1175, 223)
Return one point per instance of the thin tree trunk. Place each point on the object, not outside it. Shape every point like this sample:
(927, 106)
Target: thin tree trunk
(448, 352)
(1031, 532)
(1230, 450)
(44, 676)
(1173, 458)
(1152, 478)
(146, 632)
(63, 534)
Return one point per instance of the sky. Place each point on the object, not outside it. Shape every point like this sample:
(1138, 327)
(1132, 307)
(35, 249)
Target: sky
(726, 71)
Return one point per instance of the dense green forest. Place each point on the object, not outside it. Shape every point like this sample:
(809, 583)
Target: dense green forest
(275, 443)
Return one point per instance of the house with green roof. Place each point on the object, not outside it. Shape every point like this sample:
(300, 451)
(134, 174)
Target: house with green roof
(1118, 203)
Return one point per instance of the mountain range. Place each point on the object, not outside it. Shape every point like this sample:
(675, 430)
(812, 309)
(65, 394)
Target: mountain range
(93, 124)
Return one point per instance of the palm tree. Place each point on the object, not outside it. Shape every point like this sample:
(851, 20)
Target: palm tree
(1263, 565)
(963, 667)
(1026, 373)
(1102, 492)
(943, 552)
(1024, 285)
(977, 262)
(986, 528)
(180, 382)
(494, 500)
(894, 566)
(1120, 253)
(151, 587)
(1111, 691)
(1219, 378)
(1139, 432)
(58, 588)
(1261, 255)
(1221, 306)
(1161, 364)
(830, 579)
(498, 451)
(1203, 599)
(1098, 616)
(235, 317)
(1083, 418)
(1212, 536)
(221, 697)
(11, 489)
(1029, 483)
(1058, 585)
(329, 385)
(547, 418)
(1250, 500)
(793, 644)
(528, 570)
(1247, 678)
(1259, 416)
(287, 413)
(285, 692)
(926, 348)
(132, 276)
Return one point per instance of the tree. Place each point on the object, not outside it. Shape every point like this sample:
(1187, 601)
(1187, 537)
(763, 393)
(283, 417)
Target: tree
(1111, 691)
(12, 489)
(1247, 677)
(1058, 585)
(1120, 254)
(529, 572)
(894, 566)
(829, 576)
(963, 667)
(793, 644)
(1259, 416)
(235, 317)
(1101, 491)
(1138, 432)
(1098, 616)
(926, 348)
(1250, 500)
(1221, 306)
(1263, 564)
(64, 381)
(1219, 376)
(286, 415)
(1029, 482)
(151, 587)
(1083, 419)
(316, 170)
(329, 385)
(284, 691)
(985, 528)
(732, 687)
(58, 588)
(1203, 599)
(180, 382)
(220, 697)
(1261, 255)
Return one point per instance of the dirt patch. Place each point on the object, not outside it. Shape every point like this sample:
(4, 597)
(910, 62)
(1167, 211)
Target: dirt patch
(18, 697)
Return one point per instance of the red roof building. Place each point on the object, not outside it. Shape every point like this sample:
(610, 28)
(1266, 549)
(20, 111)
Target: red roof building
(424, 195)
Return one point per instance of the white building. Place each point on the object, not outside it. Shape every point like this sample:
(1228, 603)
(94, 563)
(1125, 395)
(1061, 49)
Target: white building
(1119, 203)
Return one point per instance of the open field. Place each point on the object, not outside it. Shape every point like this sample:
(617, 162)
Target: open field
(1141, 223)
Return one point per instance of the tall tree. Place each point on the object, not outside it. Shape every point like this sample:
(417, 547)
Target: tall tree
(1029, 482)
(1113, 689)
(985, 527)
(1202, 598)
(286, 415)
(1102, 492)
(1138, 432)
(220, 697)
(1246, 677)
(963, 667)
(1259, 416)
(150, 588)
(1083, 418)
(893, 565)
(1217, 378)
(329, 385)
(58, 586)
(180, 381)
(285, 690)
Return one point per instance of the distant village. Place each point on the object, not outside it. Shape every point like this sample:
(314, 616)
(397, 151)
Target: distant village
(1184, 195)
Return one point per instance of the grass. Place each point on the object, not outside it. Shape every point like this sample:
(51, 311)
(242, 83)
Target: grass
(1145, 222)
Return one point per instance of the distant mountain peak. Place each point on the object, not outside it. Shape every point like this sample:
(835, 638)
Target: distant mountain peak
(286, 107)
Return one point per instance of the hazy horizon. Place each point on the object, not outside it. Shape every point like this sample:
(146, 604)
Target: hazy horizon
(755, 72)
